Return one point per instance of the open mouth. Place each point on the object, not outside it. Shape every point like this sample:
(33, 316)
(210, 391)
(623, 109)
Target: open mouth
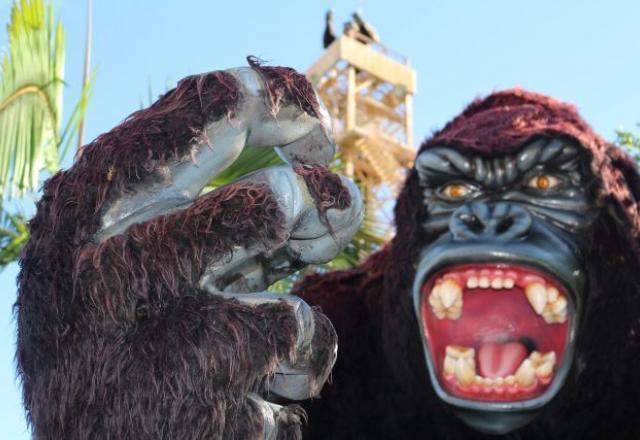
(496, 332)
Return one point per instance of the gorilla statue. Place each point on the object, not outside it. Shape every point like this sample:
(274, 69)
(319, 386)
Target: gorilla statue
(508, 301)
(506, 304)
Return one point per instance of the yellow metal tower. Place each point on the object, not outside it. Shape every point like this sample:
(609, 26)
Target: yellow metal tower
(368, 91)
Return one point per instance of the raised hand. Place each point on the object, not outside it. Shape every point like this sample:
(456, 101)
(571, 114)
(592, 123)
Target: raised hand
(142, 311)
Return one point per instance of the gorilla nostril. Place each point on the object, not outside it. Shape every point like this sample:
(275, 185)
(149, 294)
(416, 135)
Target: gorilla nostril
(481, 222)
(473, 223)
(504, 225)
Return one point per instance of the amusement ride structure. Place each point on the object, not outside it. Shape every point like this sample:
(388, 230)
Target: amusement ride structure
(368, 90)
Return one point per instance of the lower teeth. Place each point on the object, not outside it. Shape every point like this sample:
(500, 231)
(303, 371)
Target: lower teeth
(459, 363)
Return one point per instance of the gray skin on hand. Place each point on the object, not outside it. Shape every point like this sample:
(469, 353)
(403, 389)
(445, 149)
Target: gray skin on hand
(244, 276)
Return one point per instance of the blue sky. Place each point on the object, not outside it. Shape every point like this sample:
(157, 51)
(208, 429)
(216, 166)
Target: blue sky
(585, 52)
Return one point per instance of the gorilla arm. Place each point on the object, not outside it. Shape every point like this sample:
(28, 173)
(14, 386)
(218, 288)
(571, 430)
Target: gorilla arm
(163, 331)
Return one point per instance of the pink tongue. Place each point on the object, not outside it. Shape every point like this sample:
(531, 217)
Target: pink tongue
(500, 360)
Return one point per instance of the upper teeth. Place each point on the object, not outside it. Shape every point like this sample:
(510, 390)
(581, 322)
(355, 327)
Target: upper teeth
(446, 297)
(555, 311)
(537, 296)
(547, 301)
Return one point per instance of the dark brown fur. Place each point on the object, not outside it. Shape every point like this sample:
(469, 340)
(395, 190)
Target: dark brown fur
(325, 188)
(286, 86)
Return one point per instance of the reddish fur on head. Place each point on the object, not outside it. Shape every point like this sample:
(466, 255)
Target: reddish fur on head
(504, 121)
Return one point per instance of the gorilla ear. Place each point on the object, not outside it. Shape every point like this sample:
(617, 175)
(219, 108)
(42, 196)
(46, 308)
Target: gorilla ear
(623, 185)
(629, 170)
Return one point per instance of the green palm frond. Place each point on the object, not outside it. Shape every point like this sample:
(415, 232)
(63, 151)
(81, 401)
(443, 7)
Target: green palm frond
(31, 90)
(630, 142)
(13, 235)
(251, 159)
(31, 84)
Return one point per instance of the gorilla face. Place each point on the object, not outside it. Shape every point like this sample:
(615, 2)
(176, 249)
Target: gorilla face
(499, 288)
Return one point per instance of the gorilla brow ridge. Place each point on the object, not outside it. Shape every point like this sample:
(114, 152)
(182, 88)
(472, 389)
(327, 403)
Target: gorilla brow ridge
(442, 163)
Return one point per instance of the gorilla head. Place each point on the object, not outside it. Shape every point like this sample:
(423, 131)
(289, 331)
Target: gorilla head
(511, 202)
(500, 289)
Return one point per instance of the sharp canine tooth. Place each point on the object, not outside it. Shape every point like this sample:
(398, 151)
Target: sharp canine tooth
(537, 296)
(536, 357)
(435, 302)
(484, 282)
(550, 356)
(434, 297)
(465, 371)
(472, 282)
(508, 283)
(449, 365)
(526, 374)
(544, 370)
(450, 291)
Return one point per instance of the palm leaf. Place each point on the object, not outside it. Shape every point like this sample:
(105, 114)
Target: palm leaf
(630, 142)
(31, 87)
(31, 83)
(251, 159)
(13, 235)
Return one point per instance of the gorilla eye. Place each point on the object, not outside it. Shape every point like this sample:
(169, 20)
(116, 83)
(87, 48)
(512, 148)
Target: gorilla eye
(543, 182)
(456, 191)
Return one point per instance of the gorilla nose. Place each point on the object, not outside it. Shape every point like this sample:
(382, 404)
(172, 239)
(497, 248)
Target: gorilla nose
(483, 221)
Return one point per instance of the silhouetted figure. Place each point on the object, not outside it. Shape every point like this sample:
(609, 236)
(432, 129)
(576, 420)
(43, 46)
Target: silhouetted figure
(364, 29)
(358, 29)
(329, 34)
